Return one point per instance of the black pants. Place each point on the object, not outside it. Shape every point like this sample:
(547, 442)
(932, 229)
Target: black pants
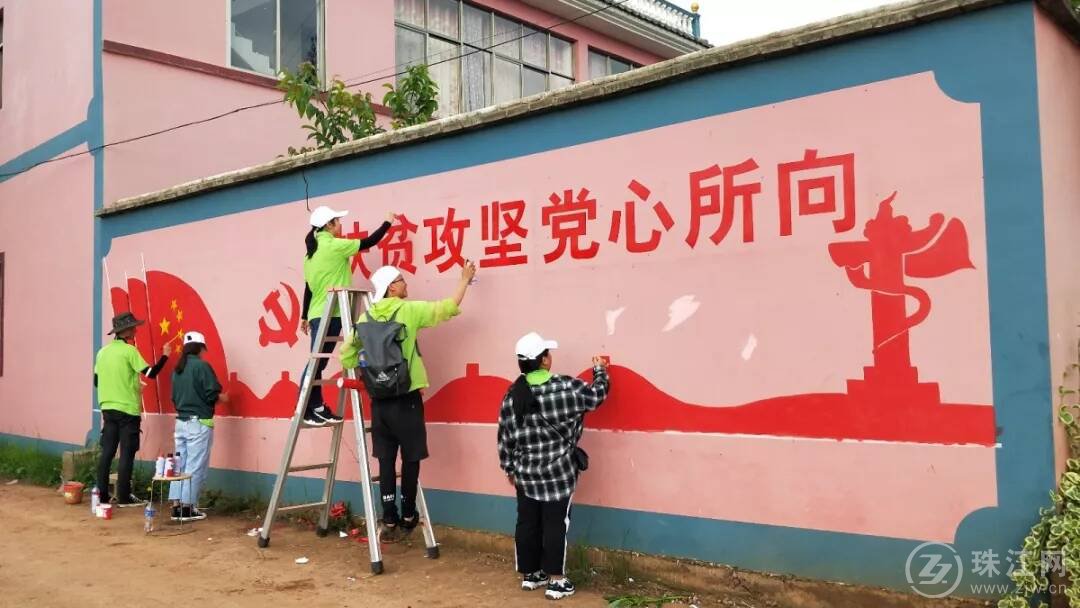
(315, 397)
(540, 536)
(117, 429)
(398, 423)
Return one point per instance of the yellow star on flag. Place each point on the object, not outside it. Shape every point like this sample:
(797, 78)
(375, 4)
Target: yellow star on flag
(173, 305)
(164, 325)
(180, 315)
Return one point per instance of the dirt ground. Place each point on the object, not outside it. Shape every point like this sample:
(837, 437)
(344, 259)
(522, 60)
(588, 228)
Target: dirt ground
(52, 554)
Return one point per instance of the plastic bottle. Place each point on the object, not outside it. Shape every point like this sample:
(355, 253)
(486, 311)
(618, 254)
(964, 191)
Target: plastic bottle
(169, 465)
(177, 465)
(159, 466)
(363, 359)
(148, 516)
(95, 500)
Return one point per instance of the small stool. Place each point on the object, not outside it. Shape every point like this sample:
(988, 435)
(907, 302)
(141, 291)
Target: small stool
(163, 495)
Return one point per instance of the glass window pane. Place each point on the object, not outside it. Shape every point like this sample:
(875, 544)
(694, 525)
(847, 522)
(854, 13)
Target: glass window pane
(558, 82)
(507, 37)
(507, 80)
(534, 47)
(618, 67)
(535, 82)
(476, 76)
(562, 56)
(477, 27)
(446, 74)
(443, 17)
(597, 65)
(253, 39)
(409, 11)
(408, 47)
(299, 33)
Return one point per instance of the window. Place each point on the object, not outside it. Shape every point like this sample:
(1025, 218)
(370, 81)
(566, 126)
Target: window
(477, 57)
(266, 36)
(601, 64)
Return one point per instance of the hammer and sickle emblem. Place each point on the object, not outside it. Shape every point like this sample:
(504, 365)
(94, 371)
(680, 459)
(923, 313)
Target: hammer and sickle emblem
(287, 324)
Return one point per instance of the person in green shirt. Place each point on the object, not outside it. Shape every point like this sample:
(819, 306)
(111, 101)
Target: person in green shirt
(398, 422)
(195, 392)
(118, 373)
(328, 265)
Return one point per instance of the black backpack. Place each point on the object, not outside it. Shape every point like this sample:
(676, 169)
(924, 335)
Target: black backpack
(383, 368)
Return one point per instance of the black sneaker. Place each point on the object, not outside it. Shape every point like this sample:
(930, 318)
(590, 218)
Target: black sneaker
(175, 513)
(131, 501)
(324, 412)
(410, 522)
(188, 513)
(313, 419)
(557, 590)
(534, 581)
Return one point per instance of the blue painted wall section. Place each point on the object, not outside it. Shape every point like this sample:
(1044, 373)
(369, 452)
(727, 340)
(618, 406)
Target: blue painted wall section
(986, 57)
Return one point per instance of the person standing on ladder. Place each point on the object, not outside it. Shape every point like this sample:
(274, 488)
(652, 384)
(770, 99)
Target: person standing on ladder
(327, 265)
(118, 373)
(398, 420)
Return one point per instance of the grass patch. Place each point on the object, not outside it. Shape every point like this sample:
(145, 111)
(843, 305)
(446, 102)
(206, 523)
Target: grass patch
(29, 465)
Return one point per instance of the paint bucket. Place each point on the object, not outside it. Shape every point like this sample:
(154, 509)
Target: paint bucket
(73, 491)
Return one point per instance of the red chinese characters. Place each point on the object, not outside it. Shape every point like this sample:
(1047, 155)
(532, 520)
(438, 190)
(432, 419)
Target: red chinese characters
(633, 245)
(499, 222)
(812, 178)
(397, 248)
(707, 199)
(358, 259)
(447, 237)
(568, 217)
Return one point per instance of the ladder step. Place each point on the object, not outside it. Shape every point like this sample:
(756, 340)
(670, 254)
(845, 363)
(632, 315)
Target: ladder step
(322, 355)
(301, 507)
(375, 478)
(323, 382)
(310, 467)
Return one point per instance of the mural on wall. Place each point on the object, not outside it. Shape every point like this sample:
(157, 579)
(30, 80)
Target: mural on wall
(737, 276)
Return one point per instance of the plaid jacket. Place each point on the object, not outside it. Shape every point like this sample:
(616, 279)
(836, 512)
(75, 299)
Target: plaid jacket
(537, 451)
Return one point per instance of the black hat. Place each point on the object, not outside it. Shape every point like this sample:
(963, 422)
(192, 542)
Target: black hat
(123, 321)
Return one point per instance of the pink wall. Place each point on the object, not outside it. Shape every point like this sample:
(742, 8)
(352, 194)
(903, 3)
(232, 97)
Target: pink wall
(1059, 121)
(47, 71)
(788, 329)
(143, 96)
(46, 388)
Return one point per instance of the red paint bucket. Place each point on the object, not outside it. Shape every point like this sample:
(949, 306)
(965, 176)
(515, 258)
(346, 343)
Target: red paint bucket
(73, 492)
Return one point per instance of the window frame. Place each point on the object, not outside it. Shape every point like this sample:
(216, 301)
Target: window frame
(608, 58)
(491, 49)
(320, 32)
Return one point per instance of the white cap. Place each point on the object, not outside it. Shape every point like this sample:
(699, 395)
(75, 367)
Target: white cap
(531, 345)
(194, 336)
(321, 216)
(381, 280)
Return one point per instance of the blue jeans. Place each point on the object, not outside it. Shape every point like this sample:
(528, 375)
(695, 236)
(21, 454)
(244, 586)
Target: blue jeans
(315, 397)
(193, 441)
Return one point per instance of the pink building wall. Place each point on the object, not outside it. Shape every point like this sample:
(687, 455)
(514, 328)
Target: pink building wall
(1058, 64)
(144, 96)
(46, 226)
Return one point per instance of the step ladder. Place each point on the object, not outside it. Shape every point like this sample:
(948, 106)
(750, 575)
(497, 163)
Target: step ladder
(351, 302)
